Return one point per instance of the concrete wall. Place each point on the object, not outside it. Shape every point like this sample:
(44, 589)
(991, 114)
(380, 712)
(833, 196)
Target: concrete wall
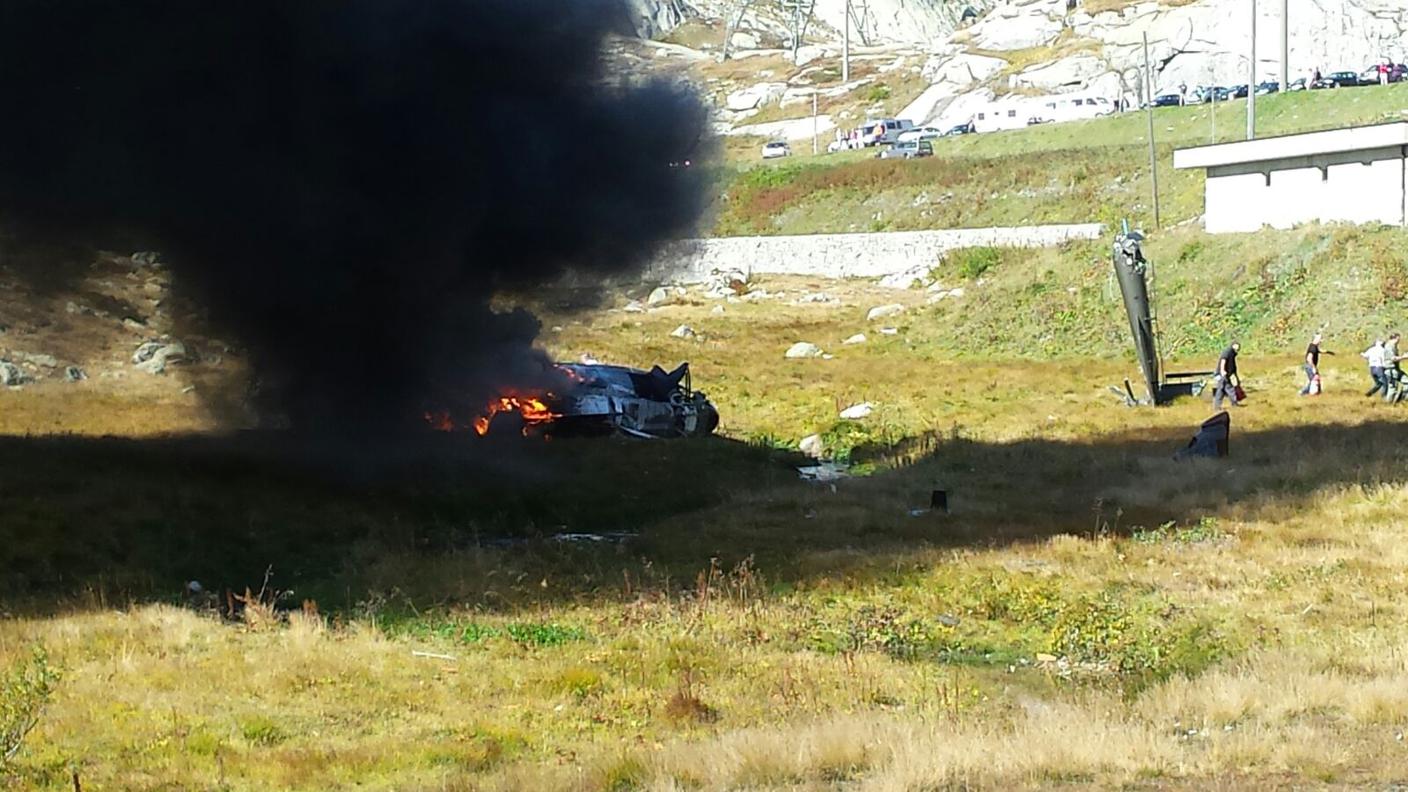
(848, 255)
(1352, 186)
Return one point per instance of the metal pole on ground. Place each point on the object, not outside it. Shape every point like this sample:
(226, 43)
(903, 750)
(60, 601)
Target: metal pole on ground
(1149, 105)
(1251, 82)
(814, 149)
(1285, 44)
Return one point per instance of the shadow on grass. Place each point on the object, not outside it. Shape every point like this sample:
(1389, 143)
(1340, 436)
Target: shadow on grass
(473, 523)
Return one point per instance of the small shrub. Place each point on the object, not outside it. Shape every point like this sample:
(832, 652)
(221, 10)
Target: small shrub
(545, 633)
(261, 730)
(24, 690)
(972, 262)
(878, 94)
(579, 682)
(1191, 252)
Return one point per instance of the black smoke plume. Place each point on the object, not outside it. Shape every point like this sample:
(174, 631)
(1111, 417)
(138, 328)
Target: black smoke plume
(344, 184)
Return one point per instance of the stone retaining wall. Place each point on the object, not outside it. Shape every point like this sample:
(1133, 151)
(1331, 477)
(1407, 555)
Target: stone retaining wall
(847, 255)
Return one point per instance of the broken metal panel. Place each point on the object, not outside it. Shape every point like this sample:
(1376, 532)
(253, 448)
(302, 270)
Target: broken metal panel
(1211, 439)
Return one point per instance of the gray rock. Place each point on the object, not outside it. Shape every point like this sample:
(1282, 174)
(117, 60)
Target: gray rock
(812, 446)
(803, 349)
(884, 311)
(74, 374)
(858, 338)
(153, 356)
(718, 310)
(683, 331)
(634, 306)
(744, 41)
(11, 375)
(146, 258)
(658, 297)
(858, 411)
(43, 361)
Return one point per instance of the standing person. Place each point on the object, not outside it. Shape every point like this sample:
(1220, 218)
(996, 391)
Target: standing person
(1375, 356)
(1227, 382)
(1383, 74)
(1312, 362)
(1182, 94)
(1315, 82)
(1392, 373)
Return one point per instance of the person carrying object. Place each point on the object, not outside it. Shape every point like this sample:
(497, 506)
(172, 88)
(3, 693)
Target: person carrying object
(1375, 355)
(1227, 383)
(1392, 372)
(1312, 365)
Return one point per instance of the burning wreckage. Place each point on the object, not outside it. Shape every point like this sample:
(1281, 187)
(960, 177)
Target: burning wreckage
(598, 399)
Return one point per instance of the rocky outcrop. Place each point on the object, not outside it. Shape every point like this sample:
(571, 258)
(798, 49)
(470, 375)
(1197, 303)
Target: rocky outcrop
(655, 18)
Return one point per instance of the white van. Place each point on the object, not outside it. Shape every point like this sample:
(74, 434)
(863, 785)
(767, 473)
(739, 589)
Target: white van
(884, 130)
(1071, 108)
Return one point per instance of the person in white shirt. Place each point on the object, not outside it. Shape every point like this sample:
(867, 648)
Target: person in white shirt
(1376, 356)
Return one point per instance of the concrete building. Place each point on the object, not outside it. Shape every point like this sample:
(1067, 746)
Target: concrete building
(1353, 175)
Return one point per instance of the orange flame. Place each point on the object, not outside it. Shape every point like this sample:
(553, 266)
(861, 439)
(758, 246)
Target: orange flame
(531, 408)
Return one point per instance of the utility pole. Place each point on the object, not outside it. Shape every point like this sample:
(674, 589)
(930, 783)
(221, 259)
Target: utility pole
(1285, 44)
(1149, 108)
(846, 46)
(1251, 82)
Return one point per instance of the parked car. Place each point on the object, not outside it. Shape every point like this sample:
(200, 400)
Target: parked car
(1168, 100)
(1267, 87)
(1297, 85)
(1343, 79)
(920, 133)
(909, 149)
(884, 130)
(1370, 76)
(1210, 93)
(965, 128)
(775, 149)
(1237, 91)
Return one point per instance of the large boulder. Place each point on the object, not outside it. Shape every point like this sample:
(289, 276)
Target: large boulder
(1075, 71)
(153, 356)
(654, 18)
(1014, 27)
(12, 375)
(755, 96)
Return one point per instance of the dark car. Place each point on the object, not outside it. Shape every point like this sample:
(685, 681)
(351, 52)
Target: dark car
(1237, 91)
(909, 149)
(1267, 87)
(1341, 79)
(1213, 93)
(1297, 85)
(1168, 100)
(965, 128)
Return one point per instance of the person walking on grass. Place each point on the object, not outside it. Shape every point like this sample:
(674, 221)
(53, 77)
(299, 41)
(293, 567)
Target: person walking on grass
(1226, 383)
(1392, 373)
(1375, 355)
(1312, 365)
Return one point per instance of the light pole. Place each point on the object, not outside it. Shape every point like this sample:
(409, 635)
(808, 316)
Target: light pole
(1285, 44)
(1251, 82)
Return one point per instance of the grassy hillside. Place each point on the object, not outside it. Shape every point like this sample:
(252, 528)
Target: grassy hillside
(1072, 172)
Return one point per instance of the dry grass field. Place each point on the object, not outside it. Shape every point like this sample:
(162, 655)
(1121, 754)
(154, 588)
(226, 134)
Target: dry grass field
(1089, 613)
